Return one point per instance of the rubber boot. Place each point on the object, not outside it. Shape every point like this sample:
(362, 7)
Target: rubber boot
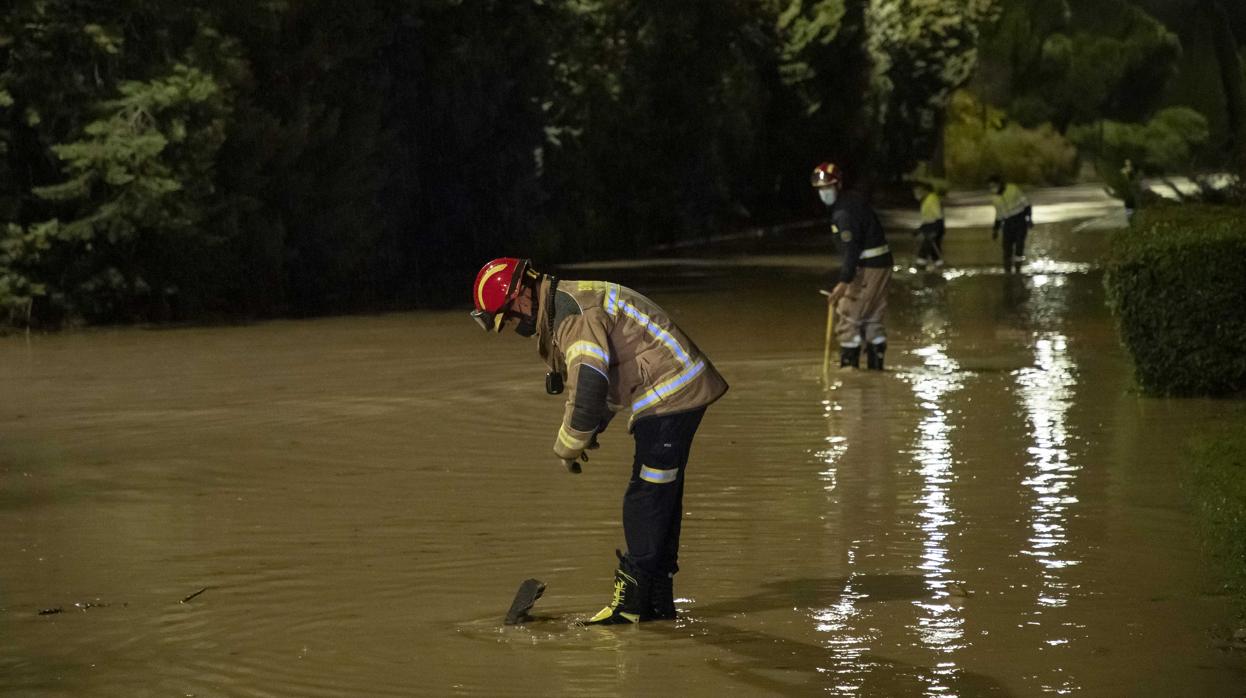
(874, 355)
(632, 594)
(849, 357)
(662, 599)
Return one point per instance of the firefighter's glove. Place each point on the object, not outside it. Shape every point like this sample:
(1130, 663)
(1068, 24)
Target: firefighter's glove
(840, 290)
(573, 465)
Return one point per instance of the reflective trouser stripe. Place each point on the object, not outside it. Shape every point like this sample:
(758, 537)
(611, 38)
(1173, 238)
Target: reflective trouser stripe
(875, 252)
(658, 477)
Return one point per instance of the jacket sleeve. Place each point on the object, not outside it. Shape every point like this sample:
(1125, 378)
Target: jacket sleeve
(845, 226)
(584, 343)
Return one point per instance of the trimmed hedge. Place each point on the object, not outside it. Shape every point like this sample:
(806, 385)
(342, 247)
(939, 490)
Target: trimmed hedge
(1176, 281)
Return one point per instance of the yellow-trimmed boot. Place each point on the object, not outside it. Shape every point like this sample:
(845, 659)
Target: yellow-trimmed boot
(630, 603)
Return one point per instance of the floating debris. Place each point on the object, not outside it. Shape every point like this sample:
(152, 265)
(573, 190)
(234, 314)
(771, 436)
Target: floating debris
(80, 605)
(529, 591)
(188, 598)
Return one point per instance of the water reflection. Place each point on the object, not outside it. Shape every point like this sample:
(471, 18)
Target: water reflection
(1046, 392)
(1033, 268)
(940, 623)
(850, 639)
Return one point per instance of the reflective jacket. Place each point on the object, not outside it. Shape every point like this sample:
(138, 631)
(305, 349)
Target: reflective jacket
(617, 350)
(860, 235)
(1012, 210)
(932, 216)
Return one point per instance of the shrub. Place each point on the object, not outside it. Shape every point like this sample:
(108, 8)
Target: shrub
(1174, 282)
(979, 144)
(1169, 142)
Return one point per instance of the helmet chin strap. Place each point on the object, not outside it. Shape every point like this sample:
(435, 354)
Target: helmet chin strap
(553, 379)
(526, 327)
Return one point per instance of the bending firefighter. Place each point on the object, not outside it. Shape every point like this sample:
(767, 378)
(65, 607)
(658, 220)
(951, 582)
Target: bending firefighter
(932, 227)
(614, 349)
(860, 296)
(1014, 216)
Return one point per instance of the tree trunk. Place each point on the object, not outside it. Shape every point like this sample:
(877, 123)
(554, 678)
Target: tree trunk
(938, 164)
(1230, 77)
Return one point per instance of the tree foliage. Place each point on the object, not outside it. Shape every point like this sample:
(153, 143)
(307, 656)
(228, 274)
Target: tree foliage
(983, 142)
(1167, 143)
(922, 51)
(179, 159)
(1064, 63)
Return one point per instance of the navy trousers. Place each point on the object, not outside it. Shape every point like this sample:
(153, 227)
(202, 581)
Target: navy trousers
(653, 504)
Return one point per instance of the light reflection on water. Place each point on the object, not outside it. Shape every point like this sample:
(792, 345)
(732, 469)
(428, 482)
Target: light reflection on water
(1046, 391)
(847, 645)
(940, 623)
(1036, 268)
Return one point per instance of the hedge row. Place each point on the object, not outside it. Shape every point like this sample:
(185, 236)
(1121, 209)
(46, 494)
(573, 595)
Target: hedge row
(1176, 281)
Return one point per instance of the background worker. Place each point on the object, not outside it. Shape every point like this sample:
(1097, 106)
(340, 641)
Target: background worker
(932, 226)
(612, 347)
(1014, 216)
(860, 295)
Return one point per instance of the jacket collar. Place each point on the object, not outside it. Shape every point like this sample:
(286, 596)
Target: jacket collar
(544, 333)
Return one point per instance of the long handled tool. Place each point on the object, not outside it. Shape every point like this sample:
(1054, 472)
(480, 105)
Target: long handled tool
(830, 332)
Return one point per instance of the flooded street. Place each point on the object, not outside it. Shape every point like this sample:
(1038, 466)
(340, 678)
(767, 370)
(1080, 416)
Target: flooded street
(999, 514)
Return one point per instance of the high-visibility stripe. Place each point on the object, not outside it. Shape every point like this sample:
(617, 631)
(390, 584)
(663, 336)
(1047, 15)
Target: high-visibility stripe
(875, 252)
(585, 348)
(611, 302)
(668, 388)
(658, 333)
(658, 477)
(480, 288)
(570, 442)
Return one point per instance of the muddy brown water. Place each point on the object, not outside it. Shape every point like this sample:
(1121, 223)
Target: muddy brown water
(998, 514)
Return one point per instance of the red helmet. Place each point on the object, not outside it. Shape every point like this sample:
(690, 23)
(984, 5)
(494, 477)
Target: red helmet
(827, 174)
(497, 286)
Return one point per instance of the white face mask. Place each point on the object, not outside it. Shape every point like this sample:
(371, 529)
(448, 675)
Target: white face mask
(828, 195)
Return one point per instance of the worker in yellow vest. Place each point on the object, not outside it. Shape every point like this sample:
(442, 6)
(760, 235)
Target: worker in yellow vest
(932, 226)
(1014, 217)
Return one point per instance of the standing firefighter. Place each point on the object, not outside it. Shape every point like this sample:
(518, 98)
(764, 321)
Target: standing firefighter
(860, 296)
(1014, 216)
(932, 227)
(613, 348)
